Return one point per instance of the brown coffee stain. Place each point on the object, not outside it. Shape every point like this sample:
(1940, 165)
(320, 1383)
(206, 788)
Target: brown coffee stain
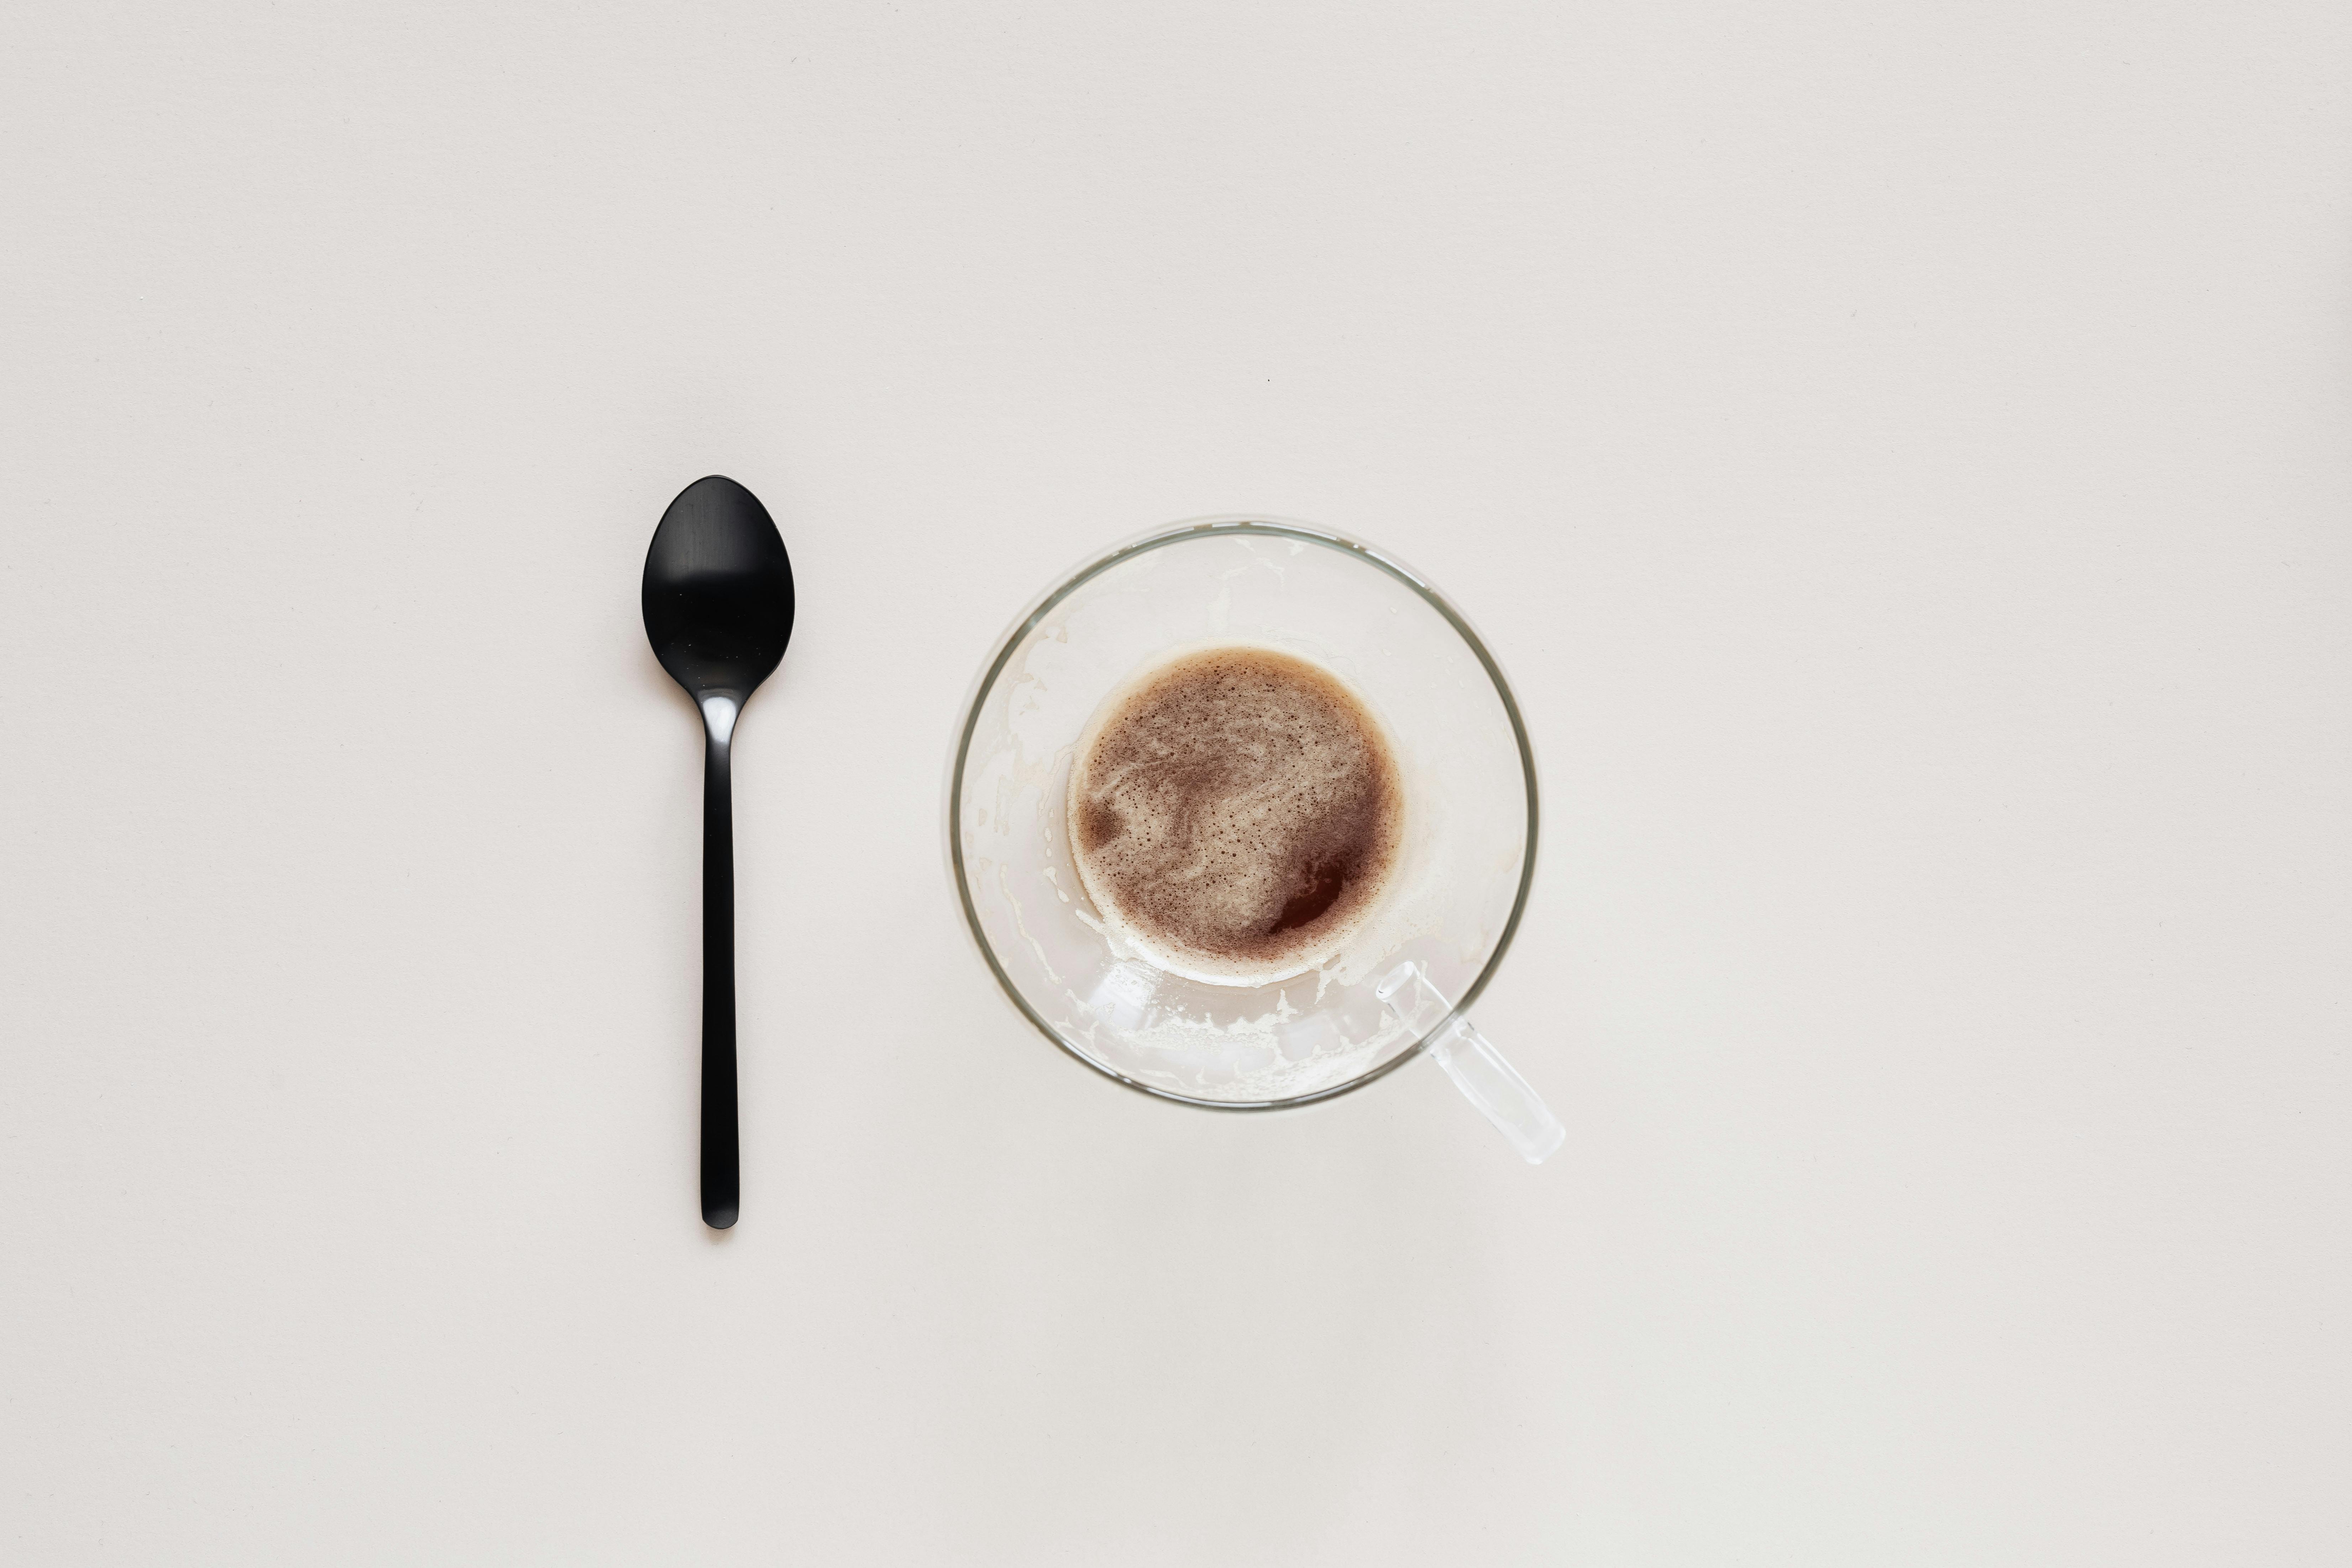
(1240, 805)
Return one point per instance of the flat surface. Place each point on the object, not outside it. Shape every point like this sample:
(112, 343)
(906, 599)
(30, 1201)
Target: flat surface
(1899, 452)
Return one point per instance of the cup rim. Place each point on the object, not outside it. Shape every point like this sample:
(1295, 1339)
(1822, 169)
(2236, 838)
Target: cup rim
(1235, 524)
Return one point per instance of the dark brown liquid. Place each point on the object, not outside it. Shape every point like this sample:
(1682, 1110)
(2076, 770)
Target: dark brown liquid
(1238, 809)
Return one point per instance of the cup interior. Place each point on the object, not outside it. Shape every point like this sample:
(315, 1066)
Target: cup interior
(1470, 809)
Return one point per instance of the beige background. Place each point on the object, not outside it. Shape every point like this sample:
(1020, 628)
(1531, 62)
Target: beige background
(1899, 451)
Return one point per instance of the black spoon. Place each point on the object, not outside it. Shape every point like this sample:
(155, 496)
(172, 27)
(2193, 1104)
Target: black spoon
(718, 611)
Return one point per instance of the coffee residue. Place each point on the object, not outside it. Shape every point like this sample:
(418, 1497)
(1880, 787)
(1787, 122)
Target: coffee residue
(1238, 807)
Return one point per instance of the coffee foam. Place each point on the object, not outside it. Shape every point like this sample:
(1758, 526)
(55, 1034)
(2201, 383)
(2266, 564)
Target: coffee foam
(1235, 812)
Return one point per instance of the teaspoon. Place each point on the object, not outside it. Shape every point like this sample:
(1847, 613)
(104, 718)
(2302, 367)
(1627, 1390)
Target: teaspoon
(719, 610)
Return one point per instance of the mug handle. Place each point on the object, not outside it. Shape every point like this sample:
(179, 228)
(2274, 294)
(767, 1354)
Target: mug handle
(1476, 1068)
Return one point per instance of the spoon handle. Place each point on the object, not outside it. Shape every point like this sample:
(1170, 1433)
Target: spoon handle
(722, 1176)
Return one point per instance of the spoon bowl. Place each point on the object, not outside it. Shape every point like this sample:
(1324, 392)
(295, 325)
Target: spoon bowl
(718, 594)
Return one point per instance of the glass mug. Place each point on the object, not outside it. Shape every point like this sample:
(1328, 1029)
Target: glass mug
(1395, 990)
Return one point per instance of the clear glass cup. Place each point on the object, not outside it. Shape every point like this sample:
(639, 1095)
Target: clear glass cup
(1397, 988)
